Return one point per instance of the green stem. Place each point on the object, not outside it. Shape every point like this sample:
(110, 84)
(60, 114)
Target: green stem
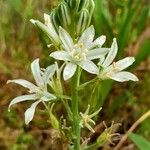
(87, 83)
(75, 111)
(67, 109)
(91, 147)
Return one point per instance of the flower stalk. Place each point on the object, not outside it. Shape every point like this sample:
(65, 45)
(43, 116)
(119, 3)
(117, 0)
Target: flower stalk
(75, 111)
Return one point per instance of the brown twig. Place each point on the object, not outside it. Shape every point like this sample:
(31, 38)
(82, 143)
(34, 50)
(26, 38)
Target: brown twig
(133, 127)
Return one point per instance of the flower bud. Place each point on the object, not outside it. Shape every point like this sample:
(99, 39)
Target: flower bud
(84, 4)
(91, 7)
(71, 3)
(48, 30)
(53, 120)
(83, 21)
(56, 84)
(64, 14)
(55, 20)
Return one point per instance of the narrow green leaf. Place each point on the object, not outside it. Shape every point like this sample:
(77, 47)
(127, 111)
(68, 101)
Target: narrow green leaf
(140, 142)
(143, 54)
(103, 17)
(126, 27)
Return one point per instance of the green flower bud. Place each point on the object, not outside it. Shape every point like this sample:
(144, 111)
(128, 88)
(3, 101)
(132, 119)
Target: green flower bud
(64, 14)
(91, 7)
(55, 20)
(71, 3)
(53, 120)
(84, 4)
(83, 21)
(56, 84)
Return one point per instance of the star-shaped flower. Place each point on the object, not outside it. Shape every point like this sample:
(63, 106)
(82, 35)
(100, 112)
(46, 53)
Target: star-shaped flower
(113, 70)
(80, 52)
(86, 119)
(37, 92)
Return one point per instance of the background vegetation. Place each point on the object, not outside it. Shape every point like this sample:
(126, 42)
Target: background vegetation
(20, 43)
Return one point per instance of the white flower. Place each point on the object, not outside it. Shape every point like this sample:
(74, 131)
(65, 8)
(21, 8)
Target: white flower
(48, 28)
(113, 70)
(37, 92)
(86, 119)
(80, 52)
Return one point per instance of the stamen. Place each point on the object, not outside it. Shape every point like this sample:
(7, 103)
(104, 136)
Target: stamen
(81, 45)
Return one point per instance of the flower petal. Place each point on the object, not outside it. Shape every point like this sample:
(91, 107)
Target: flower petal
(87, 36)
(36, 71)
(124, 63)
(101, 60)
(30, 112)
(69, 70)
(112, 54)
(99, 41)
(96, 53)
(89, 127)
(49, 72)
(124, 76)
(22, 99)
(89, 66)
(49, 31)
(25, 84)
(119, 65)
(61, 55)
(66, 39)
(49, 24)
(48, 96)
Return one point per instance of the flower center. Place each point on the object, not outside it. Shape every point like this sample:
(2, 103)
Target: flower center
(79, 52)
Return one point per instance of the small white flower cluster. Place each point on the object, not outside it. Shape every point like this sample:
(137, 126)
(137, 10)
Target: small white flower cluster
(81, 51)
(75, 52)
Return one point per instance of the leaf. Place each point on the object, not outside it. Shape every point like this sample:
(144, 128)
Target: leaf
(143, 53)
(126, 27)
(16, 5)
(140, 142)
(103, 18)
(141, 22)
(117, 102)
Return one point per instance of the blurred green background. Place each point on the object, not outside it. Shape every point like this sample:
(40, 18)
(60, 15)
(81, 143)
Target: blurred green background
(21, 43)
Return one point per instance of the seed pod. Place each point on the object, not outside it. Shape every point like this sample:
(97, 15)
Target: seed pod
(82, 23)
(107, 135)
(64, 14)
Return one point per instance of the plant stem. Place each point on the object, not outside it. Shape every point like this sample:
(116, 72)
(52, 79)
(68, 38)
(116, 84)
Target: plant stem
(67, 109)
(75, 111)
(91, 147)
(87, 83)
